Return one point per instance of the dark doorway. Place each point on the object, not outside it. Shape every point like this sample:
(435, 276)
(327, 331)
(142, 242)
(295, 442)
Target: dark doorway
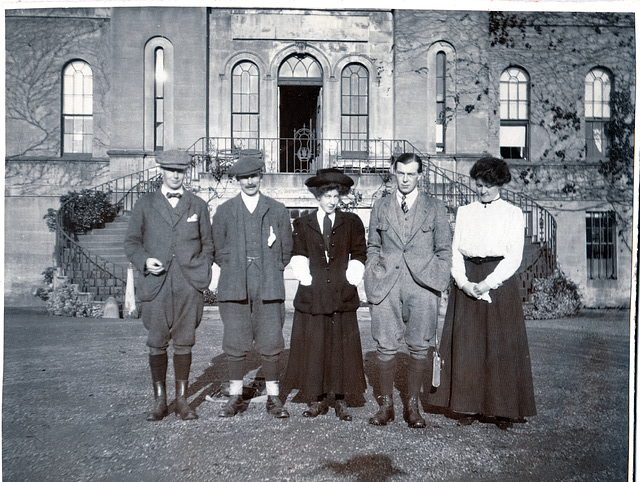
(299, 108)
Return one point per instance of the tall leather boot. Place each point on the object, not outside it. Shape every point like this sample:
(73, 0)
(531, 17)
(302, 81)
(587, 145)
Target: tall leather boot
(160, 405)
(158, 365)
(183, 409)
(386, 373)
(417, 370)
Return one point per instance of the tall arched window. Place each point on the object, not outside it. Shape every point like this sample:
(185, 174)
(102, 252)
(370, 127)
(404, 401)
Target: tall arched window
(597, 112)
(441, 96)
(514, 114)
(245, 101)
(158, 94)
(159, 78)
(355, 108)
(77, 108)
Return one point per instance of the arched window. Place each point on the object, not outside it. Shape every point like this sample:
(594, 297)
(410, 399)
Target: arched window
(441, 105)
(355, 109)
(159, 78)
(158, 94)
(245, 101)
(514, 114)
(77, 108)
(597, 112)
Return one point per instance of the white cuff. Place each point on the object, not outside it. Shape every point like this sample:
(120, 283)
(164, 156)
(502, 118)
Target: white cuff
(300, 266)
(355, 272)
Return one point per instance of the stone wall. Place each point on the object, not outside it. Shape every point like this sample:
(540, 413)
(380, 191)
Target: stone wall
(31, 188)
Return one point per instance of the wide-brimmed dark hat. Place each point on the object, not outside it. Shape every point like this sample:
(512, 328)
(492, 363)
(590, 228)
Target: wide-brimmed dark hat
(329, 176)
(246, 166)
(174, 159)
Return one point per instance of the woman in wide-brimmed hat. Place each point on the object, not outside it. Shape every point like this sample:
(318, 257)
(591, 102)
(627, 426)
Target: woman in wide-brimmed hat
(329, 251)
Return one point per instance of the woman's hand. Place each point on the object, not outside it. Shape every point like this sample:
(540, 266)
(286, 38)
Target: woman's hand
(470, 290)
(481, 288)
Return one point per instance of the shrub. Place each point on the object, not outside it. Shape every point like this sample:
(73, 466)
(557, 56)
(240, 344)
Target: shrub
(553, 297)
(85, 210)
(210, 297)
(65, 301)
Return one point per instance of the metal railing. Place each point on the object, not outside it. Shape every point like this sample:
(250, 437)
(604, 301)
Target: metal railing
(77, 263)
(216, 154)
(282, 155)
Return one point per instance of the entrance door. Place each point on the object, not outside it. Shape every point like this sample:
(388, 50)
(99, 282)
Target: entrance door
(298, 110)
(300, 95)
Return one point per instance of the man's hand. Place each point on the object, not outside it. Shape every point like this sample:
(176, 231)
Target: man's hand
(154, 266)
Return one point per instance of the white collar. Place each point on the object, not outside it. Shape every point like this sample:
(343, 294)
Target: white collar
(250, 201)
(409, 198)
(320, 215)
(164, 189)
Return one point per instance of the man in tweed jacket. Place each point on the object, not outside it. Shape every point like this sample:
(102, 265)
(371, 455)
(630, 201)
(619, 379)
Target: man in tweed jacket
(408, 265)
(253, 244)
(169, 242)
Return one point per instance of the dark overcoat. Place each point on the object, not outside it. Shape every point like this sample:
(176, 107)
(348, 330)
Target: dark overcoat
(231, 254)
(176, 236)
(330, 291)
(426, 250)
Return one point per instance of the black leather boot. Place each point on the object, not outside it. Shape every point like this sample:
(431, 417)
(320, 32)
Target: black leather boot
(183, 409)
(274, 407)
(386, 374)
(412, 414)
(234, 405)
(316, 408)
(160, 404)
(342, 412)
(417, 371)
(385, 413)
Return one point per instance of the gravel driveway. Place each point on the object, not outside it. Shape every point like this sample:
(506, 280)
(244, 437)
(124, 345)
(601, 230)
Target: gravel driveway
(76, 391)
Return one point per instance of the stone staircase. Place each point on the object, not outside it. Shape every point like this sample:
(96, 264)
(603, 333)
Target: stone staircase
(106, 243)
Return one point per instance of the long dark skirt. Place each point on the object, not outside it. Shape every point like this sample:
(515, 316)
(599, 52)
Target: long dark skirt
(484, 347)
(325, 355)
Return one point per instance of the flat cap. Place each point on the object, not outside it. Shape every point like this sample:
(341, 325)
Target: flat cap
(329, 176)
(246, 166)
(174, 159)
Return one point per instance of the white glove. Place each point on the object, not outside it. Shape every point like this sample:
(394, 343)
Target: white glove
(300, 266)
(485, 297)
(355, 272)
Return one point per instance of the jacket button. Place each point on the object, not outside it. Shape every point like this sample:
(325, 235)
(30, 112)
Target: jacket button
(328, 281)
(397, 267)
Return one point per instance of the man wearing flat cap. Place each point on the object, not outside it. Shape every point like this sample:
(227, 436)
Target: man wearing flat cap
(253, 244)
(169, 241)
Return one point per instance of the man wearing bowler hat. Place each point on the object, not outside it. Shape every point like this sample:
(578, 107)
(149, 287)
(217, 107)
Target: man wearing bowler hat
(169, 241)
(253, 244)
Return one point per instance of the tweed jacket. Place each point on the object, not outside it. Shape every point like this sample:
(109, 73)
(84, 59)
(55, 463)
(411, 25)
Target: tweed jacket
(176, 236)
(426, 252)
(230, 248)
(330, 291)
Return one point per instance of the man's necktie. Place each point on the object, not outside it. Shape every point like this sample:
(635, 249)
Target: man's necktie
(403, 204)
(326, 232)
(174, 194)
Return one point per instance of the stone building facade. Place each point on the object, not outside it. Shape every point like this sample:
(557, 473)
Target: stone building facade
(92, 94)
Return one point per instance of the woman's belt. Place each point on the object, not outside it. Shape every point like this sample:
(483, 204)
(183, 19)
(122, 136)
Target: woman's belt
(479, 260)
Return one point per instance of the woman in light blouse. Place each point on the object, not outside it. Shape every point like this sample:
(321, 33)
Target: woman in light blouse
(486, 372)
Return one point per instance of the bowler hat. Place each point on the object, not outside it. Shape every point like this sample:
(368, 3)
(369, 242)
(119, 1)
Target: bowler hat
(174, 159)
(329, 176)
(246, 166)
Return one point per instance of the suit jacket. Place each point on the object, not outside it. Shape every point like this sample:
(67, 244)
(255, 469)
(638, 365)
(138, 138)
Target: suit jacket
(230, 248)
(179, 237)
(426, 253)
(329, 291)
